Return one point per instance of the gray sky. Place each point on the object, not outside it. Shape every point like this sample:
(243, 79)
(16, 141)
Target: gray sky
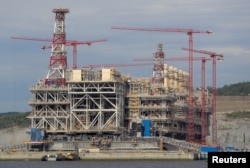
(23, 63)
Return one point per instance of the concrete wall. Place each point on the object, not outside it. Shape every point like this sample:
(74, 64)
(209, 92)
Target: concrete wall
(175, 155)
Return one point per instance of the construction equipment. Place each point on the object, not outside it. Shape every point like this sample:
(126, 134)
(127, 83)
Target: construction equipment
(58, 59)
(190, 33)
(72, 43)
(214, 57)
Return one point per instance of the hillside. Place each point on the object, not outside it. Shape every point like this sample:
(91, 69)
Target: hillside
(12, 119)
(238, 89)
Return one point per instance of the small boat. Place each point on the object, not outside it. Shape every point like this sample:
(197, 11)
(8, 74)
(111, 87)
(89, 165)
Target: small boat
(61, 157)
(49, 158)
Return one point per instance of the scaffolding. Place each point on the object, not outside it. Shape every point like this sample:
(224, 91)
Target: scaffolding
(167, 111)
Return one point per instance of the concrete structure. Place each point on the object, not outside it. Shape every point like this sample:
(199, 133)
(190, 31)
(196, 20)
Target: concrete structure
(104, 103)
(82, 104)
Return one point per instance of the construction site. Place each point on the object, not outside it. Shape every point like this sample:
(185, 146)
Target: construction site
(98, 106)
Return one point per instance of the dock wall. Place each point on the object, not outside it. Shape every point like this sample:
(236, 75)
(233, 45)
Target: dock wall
(116, 155)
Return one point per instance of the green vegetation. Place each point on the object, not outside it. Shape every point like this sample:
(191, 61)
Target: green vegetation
(12, 119)
(238, 115)
(238, 89)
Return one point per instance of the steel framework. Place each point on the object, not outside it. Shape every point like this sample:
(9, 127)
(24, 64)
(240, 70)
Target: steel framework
(96, 106)
(50, 108)
(158, 74)
(83, 107)
(58, 59)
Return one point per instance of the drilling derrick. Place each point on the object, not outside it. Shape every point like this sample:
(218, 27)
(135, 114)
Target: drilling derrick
(50, 100)
(158, 74)
(58, 59)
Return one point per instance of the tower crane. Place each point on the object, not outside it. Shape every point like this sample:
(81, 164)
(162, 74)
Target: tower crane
(190, 33)
(72, 43)
(214, 57)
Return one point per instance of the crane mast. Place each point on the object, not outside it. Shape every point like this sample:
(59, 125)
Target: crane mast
(214, 56)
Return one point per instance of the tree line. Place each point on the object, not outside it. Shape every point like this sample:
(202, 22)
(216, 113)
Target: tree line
(12, 119)
(238, 89)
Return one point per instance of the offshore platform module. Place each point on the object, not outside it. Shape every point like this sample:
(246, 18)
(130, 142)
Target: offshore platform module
(107, 109)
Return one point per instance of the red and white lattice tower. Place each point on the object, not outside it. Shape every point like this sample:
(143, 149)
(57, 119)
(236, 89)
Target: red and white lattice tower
(58, 59)
(158, 71)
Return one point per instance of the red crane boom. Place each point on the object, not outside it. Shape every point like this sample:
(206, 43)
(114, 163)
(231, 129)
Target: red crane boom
(190, 34)
(113, 65)
(163, 29)
(73, 43)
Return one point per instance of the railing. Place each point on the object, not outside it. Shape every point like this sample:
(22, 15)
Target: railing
(14, 147)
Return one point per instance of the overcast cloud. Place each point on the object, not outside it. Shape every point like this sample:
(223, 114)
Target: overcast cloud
(22, 63)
